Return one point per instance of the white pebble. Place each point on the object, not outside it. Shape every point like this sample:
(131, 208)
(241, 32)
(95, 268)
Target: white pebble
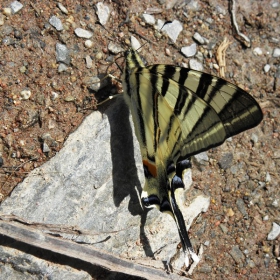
(62, 8)
(267, 177)
(16, 6)
(25, 94)
(189, 51)
(149, 19)
(266, 68)
(88, 62)
(7, 11)
(276, 52)
(82, 33)
(265, 218)
(103, 13)
(275, 231)
(88, 44)
(135, 44)
(257, 51)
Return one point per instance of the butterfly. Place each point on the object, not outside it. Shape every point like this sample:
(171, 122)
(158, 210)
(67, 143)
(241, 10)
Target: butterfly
(177, 113)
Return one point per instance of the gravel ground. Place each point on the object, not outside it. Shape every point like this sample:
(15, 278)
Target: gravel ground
(44, 95)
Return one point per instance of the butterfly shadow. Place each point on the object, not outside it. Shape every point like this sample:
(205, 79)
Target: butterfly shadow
(125, 177)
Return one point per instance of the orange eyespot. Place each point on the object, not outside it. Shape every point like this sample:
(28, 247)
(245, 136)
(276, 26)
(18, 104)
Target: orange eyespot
(151, 167)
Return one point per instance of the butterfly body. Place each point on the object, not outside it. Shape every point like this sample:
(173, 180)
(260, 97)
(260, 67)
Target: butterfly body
(177, 113)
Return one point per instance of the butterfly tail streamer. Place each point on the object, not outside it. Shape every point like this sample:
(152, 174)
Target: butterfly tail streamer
(177, 183)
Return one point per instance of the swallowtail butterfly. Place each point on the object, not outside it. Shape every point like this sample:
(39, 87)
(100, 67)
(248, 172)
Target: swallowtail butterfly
(177, 113)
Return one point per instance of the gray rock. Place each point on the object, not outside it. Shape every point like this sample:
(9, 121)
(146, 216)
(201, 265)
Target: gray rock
(93, 184)
(226, 161)
(275, 231)
(56, 23)
(16, 264)
(237, 254)
(242, 207)
(16, 7)
(62, 53)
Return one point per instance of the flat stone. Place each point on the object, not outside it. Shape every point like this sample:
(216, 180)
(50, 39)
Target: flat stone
(93, 183)
(173, 29)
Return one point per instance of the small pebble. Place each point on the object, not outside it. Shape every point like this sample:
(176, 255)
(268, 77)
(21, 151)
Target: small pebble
(62, 8)
(16, 7)
(223, 228)
(61, 67)
(267, 177)
(189, 51)
(266, 68)
(207, 243)
(265, 218)
(7, 11)
(69, 98)
(135, 44)
(103, 13)
(114, 48)
(173, 29)
(276, 52)
(46, 148)
(195, 65)
(25, 94)
(56, 23)
(242, 207)
(230, 212)
(82, 33)
(225, 161)
(237, 254)
(88, 62)
(254, 138)
(54, 95)
(62, 53)
(257, 51)
(2, 19)
(149, 19)
(88, 44)
(99, 56)
(275, 231)
(199, 38)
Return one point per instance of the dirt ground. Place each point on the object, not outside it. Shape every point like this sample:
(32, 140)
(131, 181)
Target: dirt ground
(245, 197)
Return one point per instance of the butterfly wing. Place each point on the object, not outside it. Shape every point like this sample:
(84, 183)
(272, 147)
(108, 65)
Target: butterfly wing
(178, 113)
